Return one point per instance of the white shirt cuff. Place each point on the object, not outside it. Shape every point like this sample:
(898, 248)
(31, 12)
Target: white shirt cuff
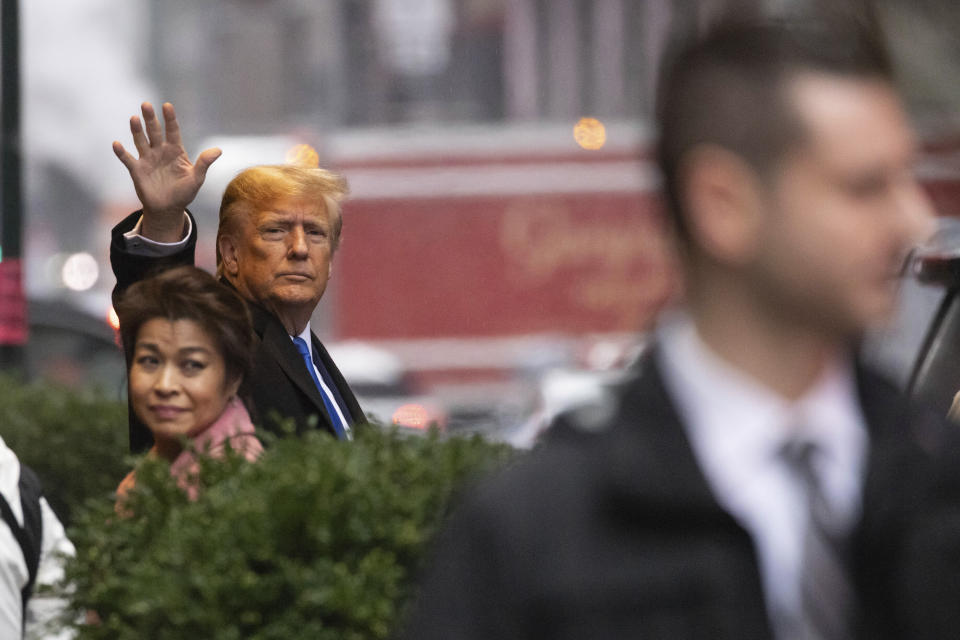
(142, 246)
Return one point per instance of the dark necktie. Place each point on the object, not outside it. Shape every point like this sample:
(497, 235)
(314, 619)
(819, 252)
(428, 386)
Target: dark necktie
(827, 599)
(338, 427)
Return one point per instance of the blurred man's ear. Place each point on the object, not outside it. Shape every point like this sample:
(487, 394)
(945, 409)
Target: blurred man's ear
(723, 201)
(228, 254)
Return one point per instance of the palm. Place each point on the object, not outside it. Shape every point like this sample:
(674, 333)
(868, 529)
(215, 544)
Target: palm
(163, 176)
(165, 179)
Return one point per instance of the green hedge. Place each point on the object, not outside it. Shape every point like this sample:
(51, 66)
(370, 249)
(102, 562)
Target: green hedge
(76, 442)
(317, 540)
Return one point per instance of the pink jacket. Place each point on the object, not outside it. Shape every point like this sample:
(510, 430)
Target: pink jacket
(233, 426)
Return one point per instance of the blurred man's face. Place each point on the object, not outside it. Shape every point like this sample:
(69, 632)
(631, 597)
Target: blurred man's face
(280, 256)
(843, 209)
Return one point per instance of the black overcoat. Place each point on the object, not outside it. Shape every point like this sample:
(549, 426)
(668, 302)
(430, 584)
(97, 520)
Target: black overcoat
(616, 534)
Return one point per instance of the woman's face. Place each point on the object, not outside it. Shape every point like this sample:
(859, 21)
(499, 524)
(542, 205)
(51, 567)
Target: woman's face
(178, 380)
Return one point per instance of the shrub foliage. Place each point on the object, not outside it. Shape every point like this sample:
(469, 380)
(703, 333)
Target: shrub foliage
(76, 442)
(317, 540)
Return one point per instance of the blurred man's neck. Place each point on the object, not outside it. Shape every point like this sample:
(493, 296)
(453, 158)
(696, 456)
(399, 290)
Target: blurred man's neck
(786, 356)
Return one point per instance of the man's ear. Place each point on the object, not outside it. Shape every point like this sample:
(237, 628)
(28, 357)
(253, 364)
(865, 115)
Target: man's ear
(227, 245)
(723, 201)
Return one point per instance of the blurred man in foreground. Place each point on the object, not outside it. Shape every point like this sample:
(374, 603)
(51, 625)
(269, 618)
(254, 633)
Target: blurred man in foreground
(754, 480)
(279, 229)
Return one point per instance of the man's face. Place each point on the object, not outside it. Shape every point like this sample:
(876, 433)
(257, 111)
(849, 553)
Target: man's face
(280, 255)
(843, 209)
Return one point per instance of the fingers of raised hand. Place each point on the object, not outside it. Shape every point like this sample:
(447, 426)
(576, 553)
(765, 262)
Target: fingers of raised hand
(204, 160)
(152, 124)
(170, 124)
(139, 138)
(124, 156)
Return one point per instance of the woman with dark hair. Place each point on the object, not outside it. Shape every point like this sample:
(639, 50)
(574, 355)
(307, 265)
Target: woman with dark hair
(188, 343)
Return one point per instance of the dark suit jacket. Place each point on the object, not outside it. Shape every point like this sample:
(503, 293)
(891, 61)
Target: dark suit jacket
(279, 385)
(617, 534)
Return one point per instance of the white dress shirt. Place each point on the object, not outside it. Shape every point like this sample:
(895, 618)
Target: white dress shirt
(737, 428)
(41, 610)
(143, 246)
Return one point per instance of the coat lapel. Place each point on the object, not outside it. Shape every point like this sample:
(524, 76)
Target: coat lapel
(652, 469)
(278, 345)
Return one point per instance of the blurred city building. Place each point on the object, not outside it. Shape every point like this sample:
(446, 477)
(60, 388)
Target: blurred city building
(321, 64)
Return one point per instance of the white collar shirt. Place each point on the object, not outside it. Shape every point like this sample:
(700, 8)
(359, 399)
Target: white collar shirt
(738, 427)
(143, 246)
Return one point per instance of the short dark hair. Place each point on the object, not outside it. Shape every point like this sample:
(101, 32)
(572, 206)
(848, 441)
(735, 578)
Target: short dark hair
(189, 293)
(728, 88)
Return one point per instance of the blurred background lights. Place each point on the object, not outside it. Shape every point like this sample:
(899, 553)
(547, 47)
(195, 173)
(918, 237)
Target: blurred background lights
(303, 155)
(590, 133)
(414, 416)
(80, 271)
(113, 319)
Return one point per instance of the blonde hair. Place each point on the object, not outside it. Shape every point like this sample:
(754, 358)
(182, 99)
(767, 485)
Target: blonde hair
(257, 187)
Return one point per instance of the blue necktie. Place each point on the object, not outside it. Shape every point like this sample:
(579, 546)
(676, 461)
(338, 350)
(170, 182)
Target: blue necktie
(328, 402)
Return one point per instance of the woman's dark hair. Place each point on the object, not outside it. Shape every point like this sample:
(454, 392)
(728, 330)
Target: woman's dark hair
(189, 293)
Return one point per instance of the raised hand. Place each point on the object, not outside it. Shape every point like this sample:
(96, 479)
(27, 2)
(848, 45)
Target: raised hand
(163, 176)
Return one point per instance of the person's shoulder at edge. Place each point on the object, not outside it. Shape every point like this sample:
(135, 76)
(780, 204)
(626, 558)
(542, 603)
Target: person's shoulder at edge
(510, 514)
(601, 418)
